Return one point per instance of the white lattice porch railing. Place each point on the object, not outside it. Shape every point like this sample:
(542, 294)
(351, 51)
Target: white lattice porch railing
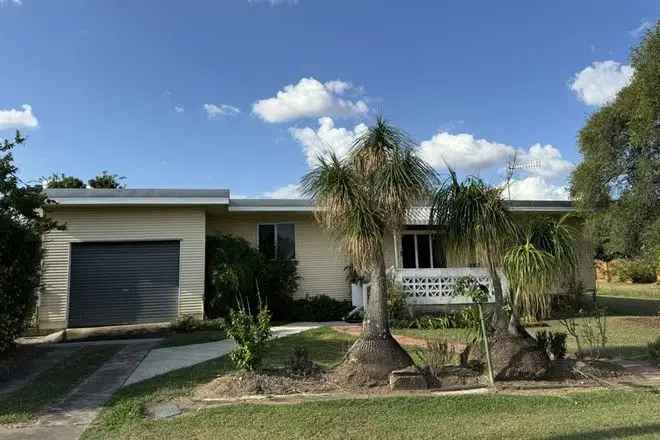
(435, 286)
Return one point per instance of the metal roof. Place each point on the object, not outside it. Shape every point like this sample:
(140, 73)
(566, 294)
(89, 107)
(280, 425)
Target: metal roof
(418, 215)
(271, 205)
(130, 196)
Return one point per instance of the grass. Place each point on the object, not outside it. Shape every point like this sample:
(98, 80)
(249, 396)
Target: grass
(577, 416)
(123, 414)
(628, 290)
(628, 336)
(451, 334)
(572, 416)
(53, 384)
(196, 337)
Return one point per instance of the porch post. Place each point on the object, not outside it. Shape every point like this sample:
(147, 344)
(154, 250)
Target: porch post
(396, 249)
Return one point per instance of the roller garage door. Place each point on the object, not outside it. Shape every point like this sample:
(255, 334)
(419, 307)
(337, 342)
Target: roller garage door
(123, 283)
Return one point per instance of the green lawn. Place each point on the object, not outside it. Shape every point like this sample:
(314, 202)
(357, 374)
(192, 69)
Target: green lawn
(575, 416)
(627, 335)
(53, 384)
(196, 337)
(580, 416)
(629, 290)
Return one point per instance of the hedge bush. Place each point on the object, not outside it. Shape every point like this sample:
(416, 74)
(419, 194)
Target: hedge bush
(20, 261)
(637, 271)
(236, 273)
(318, 309)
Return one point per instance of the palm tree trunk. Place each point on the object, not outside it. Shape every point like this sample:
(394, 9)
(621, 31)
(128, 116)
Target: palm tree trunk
(376, 352)
(499, 320)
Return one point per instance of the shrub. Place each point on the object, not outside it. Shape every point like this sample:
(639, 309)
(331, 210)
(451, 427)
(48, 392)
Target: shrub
(235, 271)
(558, 345)
(466, 318)
(594, 332)
(396, 301)
(318, 309)
(251, 333)
(437, 353)
(637, 271)
(654, 350)
(20, 270)
(22, 223)
(552, 343)
(191, 324)
(299, 362)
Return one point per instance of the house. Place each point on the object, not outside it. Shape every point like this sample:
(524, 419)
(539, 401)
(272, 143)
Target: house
(132, 256)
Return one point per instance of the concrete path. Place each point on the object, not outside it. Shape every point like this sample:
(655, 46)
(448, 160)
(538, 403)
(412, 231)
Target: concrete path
(70, 417)
(164, 360)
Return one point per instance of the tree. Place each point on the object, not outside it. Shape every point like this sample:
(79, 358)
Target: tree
(21, 227)
(106, 180)
(477, 225)
(543, 255)
(617, 185)
(63, 181)
(358, 199)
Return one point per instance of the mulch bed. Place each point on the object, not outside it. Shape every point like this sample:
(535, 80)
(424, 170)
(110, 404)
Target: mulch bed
(568, 373)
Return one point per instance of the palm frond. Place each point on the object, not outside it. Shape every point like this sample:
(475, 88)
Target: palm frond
(474, 217)
(531, 273)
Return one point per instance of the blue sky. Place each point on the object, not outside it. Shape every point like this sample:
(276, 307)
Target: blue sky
(243, 94)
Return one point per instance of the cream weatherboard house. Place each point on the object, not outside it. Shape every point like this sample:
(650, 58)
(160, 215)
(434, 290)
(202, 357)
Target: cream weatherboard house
(132, 256)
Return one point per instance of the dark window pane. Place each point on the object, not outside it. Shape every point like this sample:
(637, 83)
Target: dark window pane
(267, 240)
(439, 252)
(423, 251)
(408, 251)
(286, 241)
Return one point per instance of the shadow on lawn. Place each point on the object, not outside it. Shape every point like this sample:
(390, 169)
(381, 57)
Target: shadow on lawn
(622, 432)
(620, 306)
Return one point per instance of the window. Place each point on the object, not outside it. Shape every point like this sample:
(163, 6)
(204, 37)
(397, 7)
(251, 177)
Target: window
(422, 251)
(277, 240)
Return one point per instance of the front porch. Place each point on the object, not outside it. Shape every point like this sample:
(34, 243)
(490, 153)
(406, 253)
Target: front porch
(425, 271)
(435, 286)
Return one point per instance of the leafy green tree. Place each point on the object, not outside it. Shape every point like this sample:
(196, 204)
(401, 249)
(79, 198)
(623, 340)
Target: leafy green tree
(106, 180)
(21, 227)
(64, 181)
(617, 185)
(358, 199)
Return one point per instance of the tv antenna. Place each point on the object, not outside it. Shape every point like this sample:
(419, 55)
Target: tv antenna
(513, 165)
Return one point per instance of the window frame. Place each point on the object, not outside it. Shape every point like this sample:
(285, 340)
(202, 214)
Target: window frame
(415, 234)
(275, 240)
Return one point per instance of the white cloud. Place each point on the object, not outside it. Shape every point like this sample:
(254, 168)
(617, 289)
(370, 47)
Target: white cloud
(640, 30)
(599, 83)
(465, 152)
(214, 111)
(309, 98)
(178, 109)
(291, 191)
(535, 188)
(13, 2)
(13, 118)
(546, 161)
(326, 138)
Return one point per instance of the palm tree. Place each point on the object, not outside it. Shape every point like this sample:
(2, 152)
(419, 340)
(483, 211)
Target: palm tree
(534, 254)
(544, 255)
(478, 227)
(358, 199)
